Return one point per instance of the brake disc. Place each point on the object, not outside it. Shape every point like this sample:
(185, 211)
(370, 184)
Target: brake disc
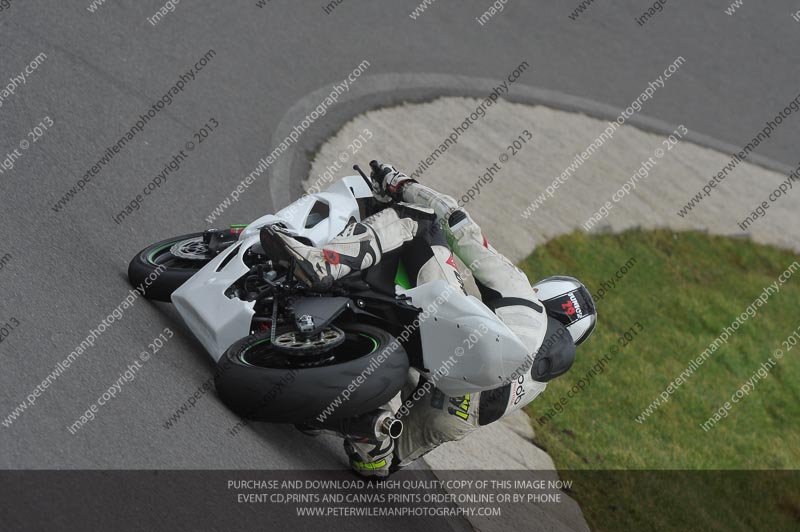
(191, 249)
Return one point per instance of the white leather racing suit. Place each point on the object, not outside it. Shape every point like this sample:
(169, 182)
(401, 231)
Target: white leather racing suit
(433, 418)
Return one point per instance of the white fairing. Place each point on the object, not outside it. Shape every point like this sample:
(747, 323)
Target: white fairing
(217, 320)
(340, 198)
(464, 341)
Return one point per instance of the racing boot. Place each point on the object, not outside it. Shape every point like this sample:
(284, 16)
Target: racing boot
(358, 247)
(370, 458)
(311, 265)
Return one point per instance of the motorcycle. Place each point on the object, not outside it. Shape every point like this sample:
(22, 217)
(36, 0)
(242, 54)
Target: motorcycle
(329, 358)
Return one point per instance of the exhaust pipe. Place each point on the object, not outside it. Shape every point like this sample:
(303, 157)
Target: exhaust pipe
(377, 425)
(392, 427)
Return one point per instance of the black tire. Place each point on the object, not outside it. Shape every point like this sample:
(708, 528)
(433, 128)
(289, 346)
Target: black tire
(142, 269)
(288, 392)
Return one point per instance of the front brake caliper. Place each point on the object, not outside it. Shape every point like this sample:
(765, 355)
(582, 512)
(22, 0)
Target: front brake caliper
(220, 239)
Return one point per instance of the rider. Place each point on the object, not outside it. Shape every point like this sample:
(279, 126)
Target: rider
(550, 318)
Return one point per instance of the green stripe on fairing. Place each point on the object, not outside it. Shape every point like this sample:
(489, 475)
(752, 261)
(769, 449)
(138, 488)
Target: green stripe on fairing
(401, 277)
(238, 226)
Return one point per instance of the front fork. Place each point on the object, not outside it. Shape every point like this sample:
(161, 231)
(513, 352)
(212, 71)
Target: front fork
(218, 240)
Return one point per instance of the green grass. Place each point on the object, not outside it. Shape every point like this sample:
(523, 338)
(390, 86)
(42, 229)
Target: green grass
(683, 289)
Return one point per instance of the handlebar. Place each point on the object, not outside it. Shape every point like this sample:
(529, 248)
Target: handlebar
(375, 166)
(376, 176)
(369, 181)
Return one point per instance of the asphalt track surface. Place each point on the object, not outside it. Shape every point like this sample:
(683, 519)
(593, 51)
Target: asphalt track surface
(67, 269)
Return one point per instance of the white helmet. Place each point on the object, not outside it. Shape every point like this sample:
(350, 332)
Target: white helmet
(568, 301)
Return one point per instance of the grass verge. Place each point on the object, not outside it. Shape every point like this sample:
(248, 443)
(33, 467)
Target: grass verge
(677, 294)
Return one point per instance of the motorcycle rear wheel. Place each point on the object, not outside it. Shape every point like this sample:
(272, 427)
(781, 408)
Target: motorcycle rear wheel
(262, 383)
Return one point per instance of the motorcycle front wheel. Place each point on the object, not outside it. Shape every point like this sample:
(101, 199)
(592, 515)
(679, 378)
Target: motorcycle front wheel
(263, 383)
(160, 268)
